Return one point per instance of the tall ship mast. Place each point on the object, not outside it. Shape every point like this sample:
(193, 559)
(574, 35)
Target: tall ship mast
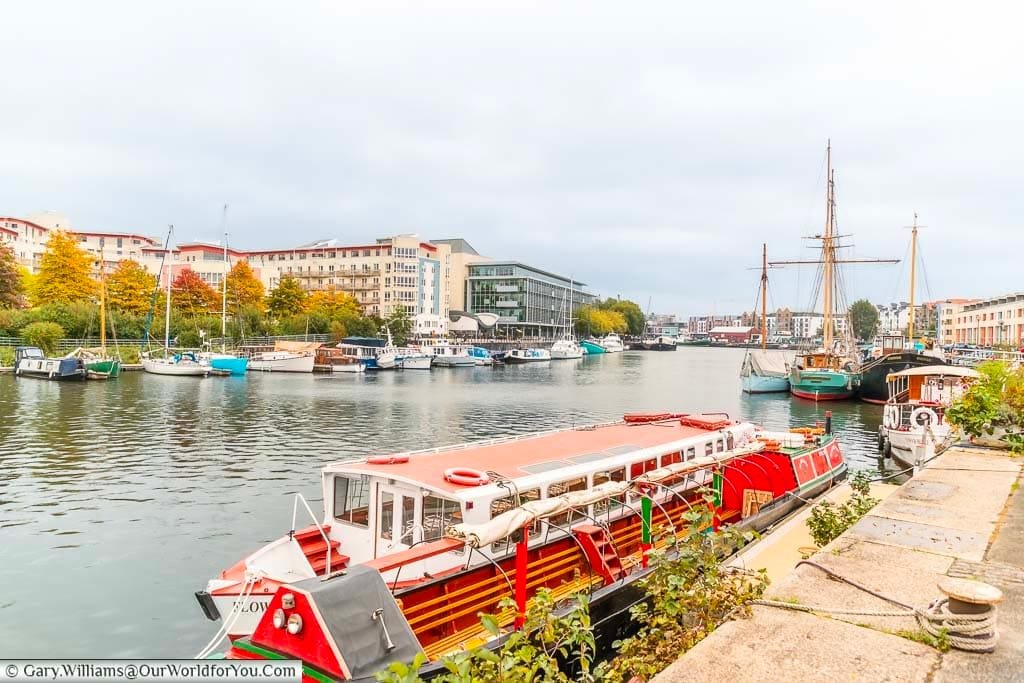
(831, 372)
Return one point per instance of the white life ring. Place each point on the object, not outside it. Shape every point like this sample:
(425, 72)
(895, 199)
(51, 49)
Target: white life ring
(933, 419)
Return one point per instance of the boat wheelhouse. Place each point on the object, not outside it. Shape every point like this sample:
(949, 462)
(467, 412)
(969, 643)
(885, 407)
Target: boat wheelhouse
(409, 515)
(915, 414)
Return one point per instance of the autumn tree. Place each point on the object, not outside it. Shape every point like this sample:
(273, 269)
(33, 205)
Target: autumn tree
(333, 305)
(65, 272)
(288, 298)
(130, 288)
(243, 288)
(191, 294)
(12, 286)
(630, 311)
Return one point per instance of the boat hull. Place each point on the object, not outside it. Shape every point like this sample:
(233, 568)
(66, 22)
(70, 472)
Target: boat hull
(282, 363)
(592, 348)
(873, 388)
(822, 385)
(414, 362)
(236, 366)
(103, 369)
(454, 361)
(161, 367)
(758, 384)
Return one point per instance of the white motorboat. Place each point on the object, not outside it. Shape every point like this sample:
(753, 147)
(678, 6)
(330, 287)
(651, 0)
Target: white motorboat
(516, 356)
(448, 355)
(566, 348)
(354, 367)
(915, 414)
(281, 361)
(611, 343)
(410, 359)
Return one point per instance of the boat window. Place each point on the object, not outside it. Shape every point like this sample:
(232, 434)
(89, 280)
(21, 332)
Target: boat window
(638, 468)
(352, 499)
(691, 453)
(720, 445)
(671, 458)
(566, 518)
(438, 515)
(709, 449)
(385, 513)
(601, 506)
(500, 505)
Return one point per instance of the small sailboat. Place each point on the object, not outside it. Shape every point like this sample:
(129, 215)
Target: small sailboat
(225, 362)
(99, 365)
(762, 372)
(174, 364)
(566, 348)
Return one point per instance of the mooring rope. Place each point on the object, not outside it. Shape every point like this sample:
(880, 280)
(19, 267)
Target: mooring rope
(971, 632)
(229, 621)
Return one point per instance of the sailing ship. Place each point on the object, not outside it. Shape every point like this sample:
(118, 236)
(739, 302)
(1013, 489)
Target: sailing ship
(230, 363)
(414, 546)
(99, 365)
(832, 371)
(915, 413)
(762, 372)
(895, 353)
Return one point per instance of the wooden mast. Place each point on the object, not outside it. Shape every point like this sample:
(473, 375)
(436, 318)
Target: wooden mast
(826, 247)
(103, 308)
(764, 297)
(913, 273)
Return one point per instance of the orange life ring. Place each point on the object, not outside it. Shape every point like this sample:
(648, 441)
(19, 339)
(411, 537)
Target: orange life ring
(387, 459)
(465, 476)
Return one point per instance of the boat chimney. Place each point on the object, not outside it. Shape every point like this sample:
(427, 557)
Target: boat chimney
(828, 421)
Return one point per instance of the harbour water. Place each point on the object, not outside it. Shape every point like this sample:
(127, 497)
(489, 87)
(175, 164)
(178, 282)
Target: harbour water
(118, 500)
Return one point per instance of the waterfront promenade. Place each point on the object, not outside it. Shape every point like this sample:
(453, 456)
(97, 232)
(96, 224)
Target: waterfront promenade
(962, 516)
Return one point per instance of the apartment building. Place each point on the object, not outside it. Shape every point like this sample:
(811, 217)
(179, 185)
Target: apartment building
(988, 322)
(947, 313)
(27, 239)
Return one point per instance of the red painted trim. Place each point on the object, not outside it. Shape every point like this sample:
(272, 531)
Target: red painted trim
(88, 233)
(522, 567)
(820, 397)
(428, 247)
(22, 220)
(420, 552)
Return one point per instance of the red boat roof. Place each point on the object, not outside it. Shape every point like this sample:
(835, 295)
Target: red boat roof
(523, 456)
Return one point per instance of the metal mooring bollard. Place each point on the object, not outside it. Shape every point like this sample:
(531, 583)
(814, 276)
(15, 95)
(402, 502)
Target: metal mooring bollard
(976, 601)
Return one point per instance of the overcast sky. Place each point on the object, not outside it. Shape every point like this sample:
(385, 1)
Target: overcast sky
(647, 149)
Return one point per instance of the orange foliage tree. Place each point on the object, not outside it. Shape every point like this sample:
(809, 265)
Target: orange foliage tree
(192, 295)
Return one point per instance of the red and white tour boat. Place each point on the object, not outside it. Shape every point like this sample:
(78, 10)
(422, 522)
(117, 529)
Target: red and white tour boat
(412, 547)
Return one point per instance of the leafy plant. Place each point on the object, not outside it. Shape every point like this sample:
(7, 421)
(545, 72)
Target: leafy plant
(828, 520)
(690, 593)
(995, 401)
(43, 335)
(6, 357)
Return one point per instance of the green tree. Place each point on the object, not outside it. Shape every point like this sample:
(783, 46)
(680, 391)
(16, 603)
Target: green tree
(12, 285)
(244, 289)
(130, 288)
(192, 295)
(43, 335)
(630, 311)
(864, 318)
(65, 272)
(288, 298)
(333, 305)
(400, 324)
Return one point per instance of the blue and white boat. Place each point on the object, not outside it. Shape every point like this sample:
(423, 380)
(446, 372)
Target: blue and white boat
(225, 362)
(527, 356)
(591, 347)
(480, 355)
(30, 361)
(365, 350)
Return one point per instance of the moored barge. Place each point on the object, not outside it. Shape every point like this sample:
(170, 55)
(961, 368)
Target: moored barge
(414, 546)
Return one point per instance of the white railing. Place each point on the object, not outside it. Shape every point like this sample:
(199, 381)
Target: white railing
(972, 358)
(323, 534)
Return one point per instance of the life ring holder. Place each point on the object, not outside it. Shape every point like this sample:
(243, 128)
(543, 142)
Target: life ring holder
(933, 418)
(466, 476)
(387, 459)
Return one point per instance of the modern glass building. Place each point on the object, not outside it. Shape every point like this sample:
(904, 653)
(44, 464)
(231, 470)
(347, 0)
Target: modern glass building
(529, 302)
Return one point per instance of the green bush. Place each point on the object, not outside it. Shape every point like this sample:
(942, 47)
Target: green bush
(828, 520)
(995, 401)
(6, 356)
(43, 335)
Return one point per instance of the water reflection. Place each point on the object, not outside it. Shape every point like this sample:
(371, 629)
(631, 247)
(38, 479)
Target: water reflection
(120, 499)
